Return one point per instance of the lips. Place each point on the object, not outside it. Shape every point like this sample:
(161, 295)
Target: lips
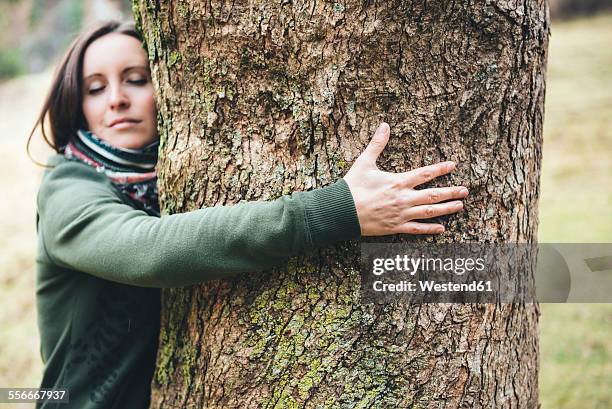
(123, 122)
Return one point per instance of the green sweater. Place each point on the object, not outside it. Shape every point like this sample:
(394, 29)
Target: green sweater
(101, 263)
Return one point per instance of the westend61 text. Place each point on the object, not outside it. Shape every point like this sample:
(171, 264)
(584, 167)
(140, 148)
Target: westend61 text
(432, 286)
(412, 265)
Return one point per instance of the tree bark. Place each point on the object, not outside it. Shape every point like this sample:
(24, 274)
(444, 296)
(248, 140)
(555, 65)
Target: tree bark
(258, 99)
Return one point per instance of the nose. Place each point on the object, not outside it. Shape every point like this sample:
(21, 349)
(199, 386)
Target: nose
(118, 99)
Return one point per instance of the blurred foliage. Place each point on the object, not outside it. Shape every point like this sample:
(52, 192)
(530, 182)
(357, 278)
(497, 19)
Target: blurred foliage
(73, 17)
(10, 57)
(10, 63)
(63, 20)
(35, 40)
(38, 9)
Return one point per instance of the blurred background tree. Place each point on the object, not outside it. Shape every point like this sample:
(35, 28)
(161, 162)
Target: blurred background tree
(564, 9)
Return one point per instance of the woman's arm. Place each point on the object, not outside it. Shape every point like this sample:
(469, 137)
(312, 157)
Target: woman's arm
(85, 225)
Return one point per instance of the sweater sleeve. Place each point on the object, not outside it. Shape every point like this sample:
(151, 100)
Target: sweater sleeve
(86, 226)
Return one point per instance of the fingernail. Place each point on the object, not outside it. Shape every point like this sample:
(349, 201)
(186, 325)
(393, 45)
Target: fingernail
(440, 230)
(459, 205)
(463, 191)
(382, 127)
(452, 165)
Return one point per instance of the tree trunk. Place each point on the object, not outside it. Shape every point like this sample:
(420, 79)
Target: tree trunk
(258, 99)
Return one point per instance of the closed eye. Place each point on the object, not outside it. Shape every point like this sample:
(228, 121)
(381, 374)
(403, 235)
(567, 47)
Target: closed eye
(93, 91)
(138, 82)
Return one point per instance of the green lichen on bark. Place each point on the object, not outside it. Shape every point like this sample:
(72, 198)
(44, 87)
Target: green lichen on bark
(174, 58)
(172, 344)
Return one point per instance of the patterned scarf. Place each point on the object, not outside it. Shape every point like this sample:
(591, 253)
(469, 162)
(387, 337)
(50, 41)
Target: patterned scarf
(132, 171)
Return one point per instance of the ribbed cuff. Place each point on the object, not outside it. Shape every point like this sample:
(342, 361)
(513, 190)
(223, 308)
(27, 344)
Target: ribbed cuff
(331, 214)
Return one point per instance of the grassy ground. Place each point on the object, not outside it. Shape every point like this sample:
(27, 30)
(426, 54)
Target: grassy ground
(576, 346)
(576, 356)
(576, 191)
(576, 206)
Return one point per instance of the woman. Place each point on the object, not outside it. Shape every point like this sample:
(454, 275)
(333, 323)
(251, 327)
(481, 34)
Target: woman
(104, 251)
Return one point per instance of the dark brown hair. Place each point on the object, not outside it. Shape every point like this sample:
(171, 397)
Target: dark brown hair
(62, 105)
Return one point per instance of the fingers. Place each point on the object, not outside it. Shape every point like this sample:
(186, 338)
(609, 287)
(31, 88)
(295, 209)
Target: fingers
(421, 228)
(377, 144)
(425, 174)
(435, 195)
(429, 211)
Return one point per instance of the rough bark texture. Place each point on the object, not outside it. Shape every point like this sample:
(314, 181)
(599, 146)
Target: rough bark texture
(257, 99)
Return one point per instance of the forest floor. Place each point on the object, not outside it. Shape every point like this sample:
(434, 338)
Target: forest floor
(575, 206)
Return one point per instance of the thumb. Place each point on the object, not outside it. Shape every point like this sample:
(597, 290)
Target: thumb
(377, 143)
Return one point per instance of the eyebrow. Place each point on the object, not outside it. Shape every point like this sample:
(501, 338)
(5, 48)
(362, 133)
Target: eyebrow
(131, 67)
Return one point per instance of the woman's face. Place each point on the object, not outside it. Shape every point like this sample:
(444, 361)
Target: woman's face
(118, 99)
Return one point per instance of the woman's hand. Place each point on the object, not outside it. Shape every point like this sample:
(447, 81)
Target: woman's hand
(388, 203)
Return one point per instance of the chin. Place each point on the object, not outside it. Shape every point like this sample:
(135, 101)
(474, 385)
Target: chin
(127, 140)
(136, 142)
